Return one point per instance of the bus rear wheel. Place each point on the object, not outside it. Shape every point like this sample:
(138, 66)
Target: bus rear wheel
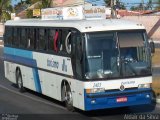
(68, 97)
(19, 81)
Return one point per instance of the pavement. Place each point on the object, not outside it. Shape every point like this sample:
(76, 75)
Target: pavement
(158, 99)
(1, 40)
(1, 43)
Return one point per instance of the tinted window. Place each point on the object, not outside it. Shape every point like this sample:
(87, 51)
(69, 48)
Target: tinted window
(42, 39)
(31, 38)
(51, 34)
(16, 35)
(23, 42)
(57, 41)
(8, 35)
(67, 42)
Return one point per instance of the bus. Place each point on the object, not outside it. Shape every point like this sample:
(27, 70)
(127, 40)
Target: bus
(87, 64)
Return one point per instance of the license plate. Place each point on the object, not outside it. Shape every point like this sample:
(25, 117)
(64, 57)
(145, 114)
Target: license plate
(121, 99)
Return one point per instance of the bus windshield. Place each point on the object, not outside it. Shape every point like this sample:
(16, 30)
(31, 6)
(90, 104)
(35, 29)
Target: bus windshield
(117, 54)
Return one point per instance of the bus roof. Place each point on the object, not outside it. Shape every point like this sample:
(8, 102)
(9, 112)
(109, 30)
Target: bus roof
(81, 25)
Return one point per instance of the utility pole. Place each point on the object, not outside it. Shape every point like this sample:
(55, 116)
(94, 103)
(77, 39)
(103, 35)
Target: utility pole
(142, 4)
(113, 9)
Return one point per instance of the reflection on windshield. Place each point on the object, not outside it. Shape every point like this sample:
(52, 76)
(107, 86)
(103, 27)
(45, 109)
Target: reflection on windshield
(116, 54)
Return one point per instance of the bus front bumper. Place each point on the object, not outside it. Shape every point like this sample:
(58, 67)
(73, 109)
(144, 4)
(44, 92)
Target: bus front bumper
(111, 100)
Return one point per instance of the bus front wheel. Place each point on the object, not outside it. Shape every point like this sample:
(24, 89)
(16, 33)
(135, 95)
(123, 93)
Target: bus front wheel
(68, 97)
(19, 81)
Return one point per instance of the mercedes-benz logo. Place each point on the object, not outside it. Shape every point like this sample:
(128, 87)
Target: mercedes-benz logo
(122, 88)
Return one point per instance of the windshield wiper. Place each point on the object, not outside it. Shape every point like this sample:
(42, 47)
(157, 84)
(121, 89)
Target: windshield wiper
(127, 62)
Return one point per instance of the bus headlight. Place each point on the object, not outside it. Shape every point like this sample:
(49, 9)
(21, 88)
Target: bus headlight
(147, 85)
(95, 90)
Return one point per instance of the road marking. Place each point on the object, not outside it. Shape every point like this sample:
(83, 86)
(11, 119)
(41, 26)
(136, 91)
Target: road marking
(32, 98)
(96, 118)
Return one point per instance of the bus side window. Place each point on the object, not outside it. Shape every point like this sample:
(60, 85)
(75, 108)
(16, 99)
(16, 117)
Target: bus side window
(16, 35)
(42, 42)
(56, 41)
(23, 42)
(60, 41)
(30, 38)
(8, 35)
(65, 41)
(51, 39)
(68, 42)
(28, 35)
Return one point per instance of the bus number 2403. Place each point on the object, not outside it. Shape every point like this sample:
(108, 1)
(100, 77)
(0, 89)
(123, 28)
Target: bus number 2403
(97, 85)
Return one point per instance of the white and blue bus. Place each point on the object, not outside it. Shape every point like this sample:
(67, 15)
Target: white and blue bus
(88, 64)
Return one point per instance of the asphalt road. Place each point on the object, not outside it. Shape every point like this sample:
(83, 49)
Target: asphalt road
(16, 105)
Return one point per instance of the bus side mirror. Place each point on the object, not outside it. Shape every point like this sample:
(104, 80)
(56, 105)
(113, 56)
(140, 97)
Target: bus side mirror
(152, 46)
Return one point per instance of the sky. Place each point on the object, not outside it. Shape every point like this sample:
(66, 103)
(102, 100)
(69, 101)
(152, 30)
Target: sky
(15, 2)
(133, 1)
(129, 3)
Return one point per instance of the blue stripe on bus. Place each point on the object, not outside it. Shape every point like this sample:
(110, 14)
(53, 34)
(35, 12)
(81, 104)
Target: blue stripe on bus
(37, 80)
(18, 52)
(20, 60)
(25, 58)
(110, 102)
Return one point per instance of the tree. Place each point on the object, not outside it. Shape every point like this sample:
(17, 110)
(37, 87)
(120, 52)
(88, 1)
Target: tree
(132, 8)
(29, 13)
(119, 4)
(41, 4)
(158, 5)
(140, 6)
(149, 5)
(5, 10)
(123, 7)
(108, 2)
(31, 1)
(46, 3)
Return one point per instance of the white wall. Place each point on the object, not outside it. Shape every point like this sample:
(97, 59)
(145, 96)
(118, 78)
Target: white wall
(148, 22)
(1, 29)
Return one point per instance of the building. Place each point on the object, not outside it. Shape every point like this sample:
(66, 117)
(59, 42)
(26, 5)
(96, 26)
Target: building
(54, 3)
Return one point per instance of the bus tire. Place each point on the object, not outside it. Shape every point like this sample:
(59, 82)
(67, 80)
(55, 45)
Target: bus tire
(19, 81)
(68, 99)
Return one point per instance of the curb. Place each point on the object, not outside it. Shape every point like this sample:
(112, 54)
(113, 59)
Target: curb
(155, 66)
(158, 100)
(156, 41)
